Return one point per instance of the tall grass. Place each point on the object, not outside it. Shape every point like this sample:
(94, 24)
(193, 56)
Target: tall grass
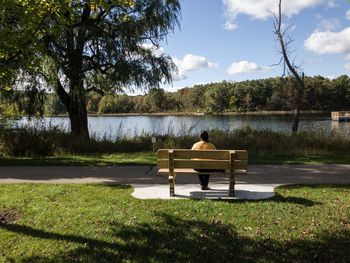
(53, 141)
(32, 142)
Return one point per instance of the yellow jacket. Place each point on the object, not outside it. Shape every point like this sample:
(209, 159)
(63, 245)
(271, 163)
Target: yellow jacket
(202, 145)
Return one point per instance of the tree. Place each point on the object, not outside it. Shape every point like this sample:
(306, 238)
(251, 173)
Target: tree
(99, 46)
(217, 99)
(92, 103)
(14, 51)
(298, 77)
(53, 105)
(341, 91)
(156, 99)
(9, 111)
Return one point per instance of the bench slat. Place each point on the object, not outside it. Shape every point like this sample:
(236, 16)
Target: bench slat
(241, 154)
(191, 171)
(188, 154)
(195, 164)
(203, 164)
(204, 154)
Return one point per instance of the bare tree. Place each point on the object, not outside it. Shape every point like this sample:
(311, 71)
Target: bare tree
(293, 70)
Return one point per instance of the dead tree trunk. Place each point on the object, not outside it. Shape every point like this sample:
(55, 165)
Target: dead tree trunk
(299, 85)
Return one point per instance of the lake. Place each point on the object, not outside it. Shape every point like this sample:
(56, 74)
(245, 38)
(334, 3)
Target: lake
(117, 126)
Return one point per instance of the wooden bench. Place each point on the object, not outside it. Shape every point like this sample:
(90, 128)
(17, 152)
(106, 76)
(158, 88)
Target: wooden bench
(172, 162)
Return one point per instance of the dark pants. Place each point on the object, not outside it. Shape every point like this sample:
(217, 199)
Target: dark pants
(204, 178)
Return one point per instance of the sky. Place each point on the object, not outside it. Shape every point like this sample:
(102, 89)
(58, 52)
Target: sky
(233, 40)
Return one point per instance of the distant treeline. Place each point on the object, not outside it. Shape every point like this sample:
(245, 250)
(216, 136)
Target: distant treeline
(272, 94)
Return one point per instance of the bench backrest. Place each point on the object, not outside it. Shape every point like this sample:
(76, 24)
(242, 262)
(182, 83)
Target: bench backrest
(202, 159)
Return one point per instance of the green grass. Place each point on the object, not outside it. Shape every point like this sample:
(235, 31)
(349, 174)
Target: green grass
(142, 158)
(101, 223)
(149, 158)
(302, 159)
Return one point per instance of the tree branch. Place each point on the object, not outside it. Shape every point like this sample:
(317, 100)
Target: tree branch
(95, 89)
(62, 94)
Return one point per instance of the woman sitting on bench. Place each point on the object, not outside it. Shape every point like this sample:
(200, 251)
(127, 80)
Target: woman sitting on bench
(203, 144)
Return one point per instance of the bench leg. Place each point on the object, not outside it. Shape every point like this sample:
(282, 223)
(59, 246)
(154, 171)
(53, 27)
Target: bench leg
(232, 185)
(232, 174)
(172, 185)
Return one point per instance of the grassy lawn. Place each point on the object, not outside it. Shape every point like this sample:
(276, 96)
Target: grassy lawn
(309, 159)
(141, 158)
(101, 223)
(149, 158)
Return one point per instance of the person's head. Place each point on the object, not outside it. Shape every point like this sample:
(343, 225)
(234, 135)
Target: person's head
(204, 136)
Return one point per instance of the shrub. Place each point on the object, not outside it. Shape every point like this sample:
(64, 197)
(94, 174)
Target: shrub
(53, 141)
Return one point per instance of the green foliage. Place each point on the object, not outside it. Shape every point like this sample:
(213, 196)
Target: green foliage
(217, 99)
(33, 142)
(273, 94)
(9, 110)
(53, 105)
(156, 100)
(263, 146)
(78, 47)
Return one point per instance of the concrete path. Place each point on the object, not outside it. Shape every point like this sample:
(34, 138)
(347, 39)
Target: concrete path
(257, 184)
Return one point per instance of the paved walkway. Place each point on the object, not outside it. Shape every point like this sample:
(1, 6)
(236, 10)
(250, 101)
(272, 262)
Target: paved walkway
(258, 183)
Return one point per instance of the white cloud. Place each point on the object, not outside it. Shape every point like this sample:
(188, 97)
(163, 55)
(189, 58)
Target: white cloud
(230, 26)
(191, 62)
(329, 42)
(331, 77)
(289, 27)
(188, 63)
(347, 66)
(347, 15)
(244, 67)
(156, 51)
(261, 9)
(172, 88)
(179, 76)
(332, 4)
(329, 24)
(201, 83)
(347, 57)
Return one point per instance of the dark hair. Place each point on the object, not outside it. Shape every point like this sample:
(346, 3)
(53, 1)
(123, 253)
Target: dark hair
(204, 136)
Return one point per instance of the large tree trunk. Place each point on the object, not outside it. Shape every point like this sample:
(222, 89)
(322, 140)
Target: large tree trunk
(77, 110)
(75, 103)
(78, 120)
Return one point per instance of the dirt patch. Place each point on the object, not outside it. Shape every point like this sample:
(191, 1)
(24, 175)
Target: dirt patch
(9, 216)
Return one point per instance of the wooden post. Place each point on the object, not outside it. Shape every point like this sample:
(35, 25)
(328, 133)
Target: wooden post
(171, 172)
(232, 174)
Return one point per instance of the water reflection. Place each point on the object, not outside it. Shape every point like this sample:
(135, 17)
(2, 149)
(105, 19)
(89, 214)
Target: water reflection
(118, 126)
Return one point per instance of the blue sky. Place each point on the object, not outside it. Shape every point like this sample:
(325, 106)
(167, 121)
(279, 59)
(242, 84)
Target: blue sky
(233, 40)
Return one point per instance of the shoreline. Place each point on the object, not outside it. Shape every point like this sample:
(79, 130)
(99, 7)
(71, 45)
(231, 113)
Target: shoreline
(248, 113)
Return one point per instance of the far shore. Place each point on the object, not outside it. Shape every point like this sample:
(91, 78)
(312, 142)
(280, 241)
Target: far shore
(198, 113)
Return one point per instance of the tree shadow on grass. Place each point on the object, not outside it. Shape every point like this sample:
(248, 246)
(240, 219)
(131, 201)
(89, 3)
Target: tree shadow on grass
(277, 199)
(172, 239)
(301, 200)
(293, 199)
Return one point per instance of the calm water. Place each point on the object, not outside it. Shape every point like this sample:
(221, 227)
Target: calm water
(117, 126)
